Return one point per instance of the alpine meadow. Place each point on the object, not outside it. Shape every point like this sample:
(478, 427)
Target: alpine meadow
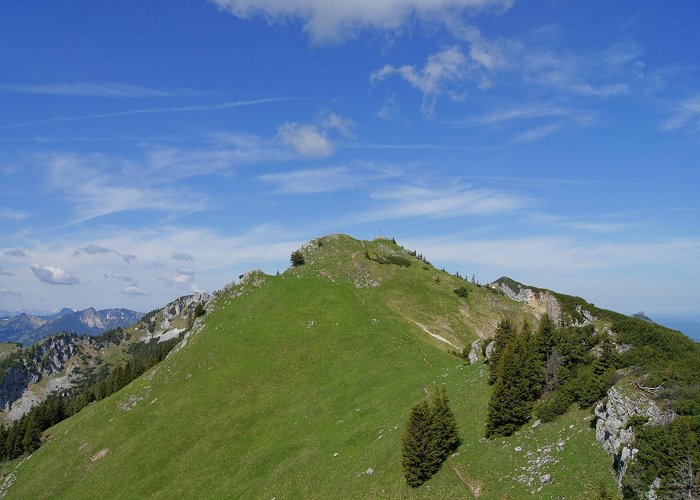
(339, 249)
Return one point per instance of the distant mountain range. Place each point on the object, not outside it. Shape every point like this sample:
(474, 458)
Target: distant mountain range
(28, 328)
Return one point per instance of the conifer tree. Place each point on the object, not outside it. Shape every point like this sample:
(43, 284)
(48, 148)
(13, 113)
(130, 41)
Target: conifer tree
(544, 338)
(32, 435)
(444, 424)
(511, 404)
(417, 446)
(504, 334)
(532, 364)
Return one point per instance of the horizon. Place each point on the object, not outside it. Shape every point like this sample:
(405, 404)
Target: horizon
(151, 150)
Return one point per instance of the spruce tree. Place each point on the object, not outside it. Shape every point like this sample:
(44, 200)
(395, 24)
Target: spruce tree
(444, 424)
(533, 366)
(511, 404)
(32, 435)
(417, 446)
(504, 334)
(544, 338)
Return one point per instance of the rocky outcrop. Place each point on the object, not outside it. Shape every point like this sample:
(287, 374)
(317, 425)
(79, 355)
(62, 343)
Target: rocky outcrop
(161, 321)
(540, 301)
(489, 349)
(612, 418)
(32, 365)
(475, 351)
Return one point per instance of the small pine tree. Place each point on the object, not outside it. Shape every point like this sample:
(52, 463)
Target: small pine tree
(32, 436)
(416, 446)
(544, 338)
(511, 404)
(504, 334)
(297, 258)
(444, 423)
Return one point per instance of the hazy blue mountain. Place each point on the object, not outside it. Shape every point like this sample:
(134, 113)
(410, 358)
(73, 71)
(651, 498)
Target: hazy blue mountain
(28, 328)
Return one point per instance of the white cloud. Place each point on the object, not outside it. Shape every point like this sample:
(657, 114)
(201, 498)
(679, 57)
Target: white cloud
(307, 140)
(449, 201)
(390, 108)
(3, 272)
(558, 255)
(98, 186)
(53, 275)
(122, 277)
(532, 112)
(440, 70)
(13, 215)
(318, 180)
(327, 21)
(86, 89)
(539, 132)
(333, 121)
(134, 291)
(687, 113)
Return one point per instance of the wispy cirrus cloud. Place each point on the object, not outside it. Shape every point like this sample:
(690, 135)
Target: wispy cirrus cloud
(685, 114)
(145, 111)
(13, 215)
(87, 89)
(407, 201)
(557, 254)
(441, 70)
(317, 180)
(96, 188)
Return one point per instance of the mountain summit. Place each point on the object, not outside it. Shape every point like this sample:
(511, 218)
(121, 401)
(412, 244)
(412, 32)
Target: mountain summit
(299, 385)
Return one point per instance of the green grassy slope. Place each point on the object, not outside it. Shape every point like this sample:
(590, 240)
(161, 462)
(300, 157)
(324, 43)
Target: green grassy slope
(299, 385)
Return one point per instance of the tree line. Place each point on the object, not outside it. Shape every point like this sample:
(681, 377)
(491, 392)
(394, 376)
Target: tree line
(24, 435)
(545, 372)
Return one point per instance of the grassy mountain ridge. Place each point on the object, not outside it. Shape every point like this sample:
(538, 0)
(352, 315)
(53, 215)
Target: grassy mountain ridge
(298, 385)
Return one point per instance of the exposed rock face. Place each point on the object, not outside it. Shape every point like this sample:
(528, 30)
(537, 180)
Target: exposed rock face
(612, 418)
(182, 307)
(540, 302)
(48, 358)
(475, 351)
(490, 348)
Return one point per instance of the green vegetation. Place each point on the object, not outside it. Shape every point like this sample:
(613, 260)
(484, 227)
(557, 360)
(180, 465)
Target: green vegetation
(298, 386)
(389, 259)
(430, 436)
(461, 292)
(670, 362)
(297, 258)
(23, 436)
(670, 453)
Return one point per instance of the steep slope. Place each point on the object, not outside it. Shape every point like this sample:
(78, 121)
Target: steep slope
(61, 362)
(299, 386)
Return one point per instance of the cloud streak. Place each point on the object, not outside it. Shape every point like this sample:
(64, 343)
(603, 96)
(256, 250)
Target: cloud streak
(145, 111)
(86, 89)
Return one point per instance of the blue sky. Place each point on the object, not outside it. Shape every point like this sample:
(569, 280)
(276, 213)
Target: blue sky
(149, 149)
